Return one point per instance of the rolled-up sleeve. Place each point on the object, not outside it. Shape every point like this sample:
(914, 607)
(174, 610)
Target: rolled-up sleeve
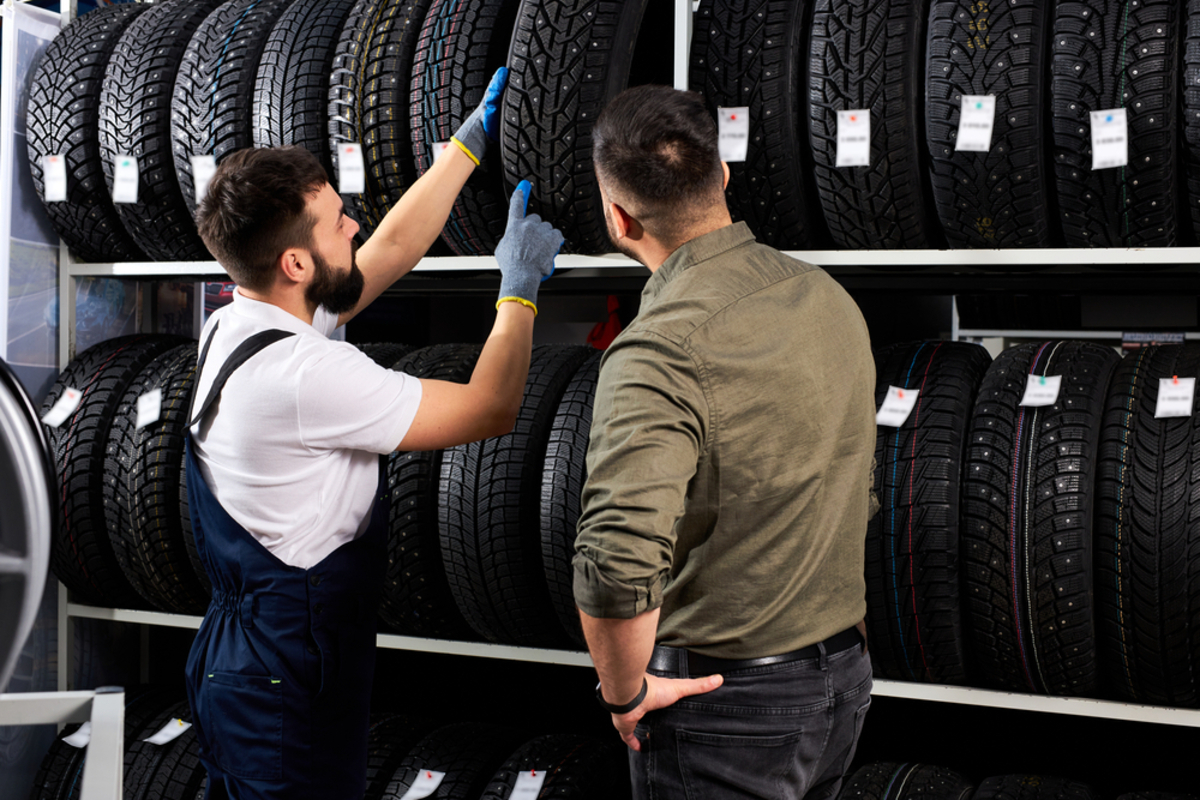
(649, 429)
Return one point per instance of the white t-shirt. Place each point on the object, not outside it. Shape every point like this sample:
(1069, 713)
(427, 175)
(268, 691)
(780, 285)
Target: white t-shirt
(291, 448)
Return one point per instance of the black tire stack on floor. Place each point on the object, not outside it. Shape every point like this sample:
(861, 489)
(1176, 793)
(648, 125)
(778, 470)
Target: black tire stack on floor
(575, 768)
(886, 780)
(468, 754)
(1033, 787)
(568, 58)
(490, 514)
(1106, 55)
(1147, 569)
(868, 55)
(63, 119)
(461, 46)
(754, 53)
(1002, 198)
(913, 565)
(135, 118)
(1028, 519)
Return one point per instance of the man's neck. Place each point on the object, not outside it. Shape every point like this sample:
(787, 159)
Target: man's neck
(293, 302)
(656, 253)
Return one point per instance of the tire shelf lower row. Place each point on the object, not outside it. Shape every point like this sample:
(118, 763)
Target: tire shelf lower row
(1071, 706)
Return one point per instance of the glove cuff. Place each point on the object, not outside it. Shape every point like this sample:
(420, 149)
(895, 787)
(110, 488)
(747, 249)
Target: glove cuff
(471, 137)
(520, 300)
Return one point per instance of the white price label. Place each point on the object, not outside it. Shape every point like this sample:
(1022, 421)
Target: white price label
(1176, 396)
(169, 733)
(1041, 390)
(896, 407)
(528, 785)
(438, 148)
(203, 169)
(1110, 139)
(854, 138)
(149, 408)
(352, 174)
(125, 179)
(426, 784)
(733, 132)
(81, 737)
(64, 408)
(975, 122)
(54, 178)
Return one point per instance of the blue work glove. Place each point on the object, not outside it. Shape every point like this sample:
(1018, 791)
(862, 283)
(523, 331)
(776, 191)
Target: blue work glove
(483, 125)
(526, 253)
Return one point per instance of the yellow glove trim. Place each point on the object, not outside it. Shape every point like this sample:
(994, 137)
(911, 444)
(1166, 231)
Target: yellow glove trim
(520, 300)
(463, 147)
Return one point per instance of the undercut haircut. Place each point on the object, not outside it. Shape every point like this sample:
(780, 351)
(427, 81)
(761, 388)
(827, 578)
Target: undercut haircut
(656, 147)
(256, 207)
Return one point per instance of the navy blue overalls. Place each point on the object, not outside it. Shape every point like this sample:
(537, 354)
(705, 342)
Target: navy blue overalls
(279, 676)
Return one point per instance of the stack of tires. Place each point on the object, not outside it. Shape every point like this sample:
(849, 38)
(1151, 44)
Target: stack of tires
(481, 536)
(471, 761)
(1037, 544)
(157, 95)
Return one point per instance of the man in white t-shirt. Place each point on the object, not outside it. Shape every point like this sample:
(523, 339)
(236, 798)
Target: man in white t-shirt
(285, 440)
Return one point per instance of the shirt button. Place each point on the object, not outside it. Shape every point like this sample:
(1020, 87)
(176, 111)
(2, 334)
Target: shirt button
(318, 608)
(312, 648)
(314, 579)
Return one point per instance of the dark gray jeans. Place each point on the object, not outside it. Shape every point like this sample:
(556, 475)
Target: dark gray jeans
(782, 732)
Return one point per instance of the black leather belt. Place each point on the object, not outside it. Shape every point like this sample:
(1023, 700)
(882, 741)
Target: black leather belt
(678, 661)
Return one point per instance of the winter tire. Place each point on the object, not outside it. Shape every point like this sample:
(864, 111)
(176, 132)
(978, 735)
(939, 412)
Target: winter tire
(563, 477)
(389, 740)
(83, 556)
(755, 53)
(1110, 54)
(416, 596)
(576, 768)
(1033, 787)
(135, 118)
(460, 48)
(143, 473)
(891, 781)
(213, 101)
(468, 753)
(1147, 571)
(291, 87)
(567, 59)
(914, 615)
(1001, 198)
(869, 55)
(489, 514)
(1027, 523)
(63, 119)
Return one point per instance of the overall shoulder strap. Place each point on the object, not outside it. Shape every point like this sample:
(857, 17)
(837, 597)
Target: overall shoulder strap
(243, 353)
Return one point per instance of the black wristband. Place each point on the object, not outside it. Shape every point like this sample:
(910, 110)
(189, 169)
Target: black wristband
(622, 709)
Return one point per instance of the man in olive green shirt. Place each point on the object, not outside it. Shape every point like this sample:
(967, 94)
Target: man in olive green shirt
(726, 506)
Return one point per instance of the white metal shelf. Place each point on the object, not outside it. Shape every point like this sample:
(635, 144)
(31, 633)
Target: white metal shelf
(960, 695)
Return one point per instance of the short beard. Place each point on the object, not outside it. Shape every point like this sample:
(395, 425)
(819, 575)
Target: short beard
(334, 292)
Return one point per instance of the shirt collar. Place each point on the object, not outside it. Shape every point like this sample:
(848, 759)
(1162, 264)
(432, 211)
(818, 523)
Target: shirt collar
(691, 253)
(268, 314)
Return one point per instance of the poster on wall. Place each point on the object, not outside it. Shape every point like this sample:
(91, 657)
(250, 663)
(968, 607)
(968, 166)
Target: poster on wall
(28, 242)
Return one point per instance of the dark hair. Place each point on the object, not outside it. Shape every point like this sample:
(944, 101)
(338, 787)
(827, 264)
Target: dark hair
(657, 146)
(256, 207)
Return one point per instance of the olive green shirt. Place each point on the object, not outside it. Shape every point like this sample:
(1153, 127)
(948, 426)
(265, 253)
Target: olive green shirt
(731, 455)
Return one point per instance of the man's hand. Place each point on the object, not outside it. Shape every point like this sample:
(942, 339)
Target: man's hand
(660, 693)
(527, 251)
(483, 126)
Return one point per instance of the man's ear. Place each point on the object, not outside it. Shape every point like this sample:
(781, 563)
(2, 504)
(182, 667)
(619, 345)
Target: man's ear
(622, 221)
(294, 264)
(725, 169)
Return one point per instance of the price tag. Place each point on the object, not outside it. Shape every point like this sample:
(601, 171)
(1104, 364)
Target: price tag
(438, 148)
(64, 408)
(54, 178)
(528, 785)
(896, 407)
(425, 784)
(81, 737)
(733, 132)
(352, 175)
(1176, 396)
(203, 169)
(125, 179)
(854, 138)
(975, 123)
(1110, 139)
(1041, 390)
(149, 408)
(169, 733)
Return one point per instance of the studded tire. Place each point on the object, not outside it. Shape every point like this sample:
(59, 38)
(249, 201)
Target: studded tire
(885, 780)
(576, 768)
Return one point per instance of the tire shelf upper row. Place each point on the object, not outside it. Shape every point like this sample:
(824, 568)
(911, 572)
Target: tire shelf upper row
(1073, 706)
